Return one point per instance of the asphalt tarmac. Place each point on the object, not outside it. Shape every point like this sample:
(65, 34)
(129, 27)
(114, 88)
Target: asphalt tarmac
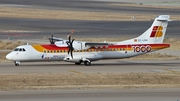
(92, 95)
(103, 66)
(88, 5)
(38, 28)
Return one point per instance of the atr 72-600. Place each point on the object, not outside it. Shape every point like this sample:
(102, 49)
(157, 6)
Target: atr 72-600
(85, 52)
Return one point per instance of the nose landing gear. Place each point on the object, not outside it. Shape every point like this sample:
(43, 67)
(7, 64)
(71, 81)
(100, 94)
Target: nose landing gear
(17, 63)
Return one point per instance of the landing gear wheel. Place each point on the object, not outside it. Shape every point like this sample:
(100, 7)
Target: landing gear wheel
(16, 63)
(87, 63)
(78, 63)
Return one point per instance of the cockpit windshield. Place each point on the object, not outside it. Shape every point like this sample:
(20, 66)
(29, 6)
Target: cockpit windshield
(20, 49)
(16, 49)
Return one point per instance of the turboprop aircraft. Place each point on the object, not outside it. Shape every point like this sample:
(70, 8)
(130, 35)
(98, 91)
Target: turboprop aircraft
(86, 52)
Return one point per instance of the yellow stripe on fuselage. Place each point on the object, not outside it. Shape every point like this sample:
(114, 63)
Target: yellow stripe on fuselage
(38, 48)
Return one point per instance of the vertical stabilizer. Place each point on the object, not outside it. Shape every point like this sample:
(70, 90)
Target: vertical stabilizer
(156, 33)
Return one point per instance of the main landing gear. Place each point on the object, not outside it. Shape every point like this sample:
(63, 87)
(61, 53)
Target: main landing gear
(86, 63)
(17, 63)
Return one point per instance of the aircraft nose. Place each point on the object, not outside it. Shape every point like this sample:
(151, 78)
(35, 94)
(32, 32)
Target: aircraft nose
(9, 56)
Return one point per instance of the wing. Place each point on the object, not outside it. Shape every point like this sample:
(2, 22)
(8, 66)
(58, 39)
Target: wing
(97, 44)
(56, 39)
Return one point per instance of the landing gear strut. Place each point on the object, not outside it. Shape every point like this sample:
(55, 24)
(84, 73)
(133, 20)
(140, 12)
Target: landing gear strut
(17, 63)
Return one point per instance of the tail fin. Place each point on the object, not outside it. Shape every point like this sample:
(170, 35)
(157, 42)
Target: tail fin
(156, 33)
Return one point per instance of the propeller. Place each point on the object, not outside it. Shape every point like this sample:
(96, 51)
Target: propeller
(51, 40)
(70, 45)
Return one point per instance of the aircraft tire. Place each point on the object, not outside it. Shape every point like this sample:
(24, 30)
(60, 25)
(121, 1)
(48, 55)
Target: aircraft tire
(16, 64)
(87, 63)
(78, 63)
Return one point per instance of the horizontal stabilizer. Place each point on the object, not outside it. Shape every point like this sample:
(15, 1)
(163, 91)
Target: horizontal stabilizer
(163, 18)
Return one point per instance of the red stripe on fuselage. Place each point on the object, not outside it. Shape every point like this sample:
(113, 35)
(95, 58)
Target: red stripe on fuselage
(54, 47)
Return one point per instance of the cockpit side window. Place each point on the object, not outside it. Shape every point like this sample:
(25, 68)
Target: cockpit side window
(24, 50)
(20, 49)
(16, 49)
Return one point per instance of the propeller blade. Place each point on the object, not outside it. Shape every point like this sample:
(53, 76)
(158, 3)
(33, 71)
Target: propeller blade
(70, 45)
(73, 40)
(69, 38)
(51, 40)
(68, 51)
(71, 54)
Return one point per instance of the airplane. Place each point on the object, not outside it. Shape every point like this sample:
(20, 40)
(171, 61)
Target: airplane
(79, 52)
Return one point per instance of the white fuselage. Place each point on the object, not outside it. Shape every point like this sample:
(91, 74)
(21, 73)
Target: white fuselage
(30, 54)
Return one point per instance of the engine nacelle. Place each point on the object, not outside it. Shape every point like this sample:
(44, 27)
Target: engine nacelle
(77, 45)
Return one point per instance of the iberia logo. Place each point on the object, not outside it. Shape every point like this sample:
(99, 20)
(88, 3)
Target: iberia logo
(157, 31)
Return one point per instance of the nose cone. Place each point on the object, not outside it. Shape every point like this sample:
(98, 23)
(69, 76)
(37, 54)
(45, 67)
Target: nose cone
(9, 56)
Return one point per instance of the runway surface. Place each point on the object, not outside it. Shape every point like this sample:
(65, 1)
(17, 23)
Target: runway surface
(103, 66)
(93, 95)
(122, 66)
(88, 5)
(38, 29)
